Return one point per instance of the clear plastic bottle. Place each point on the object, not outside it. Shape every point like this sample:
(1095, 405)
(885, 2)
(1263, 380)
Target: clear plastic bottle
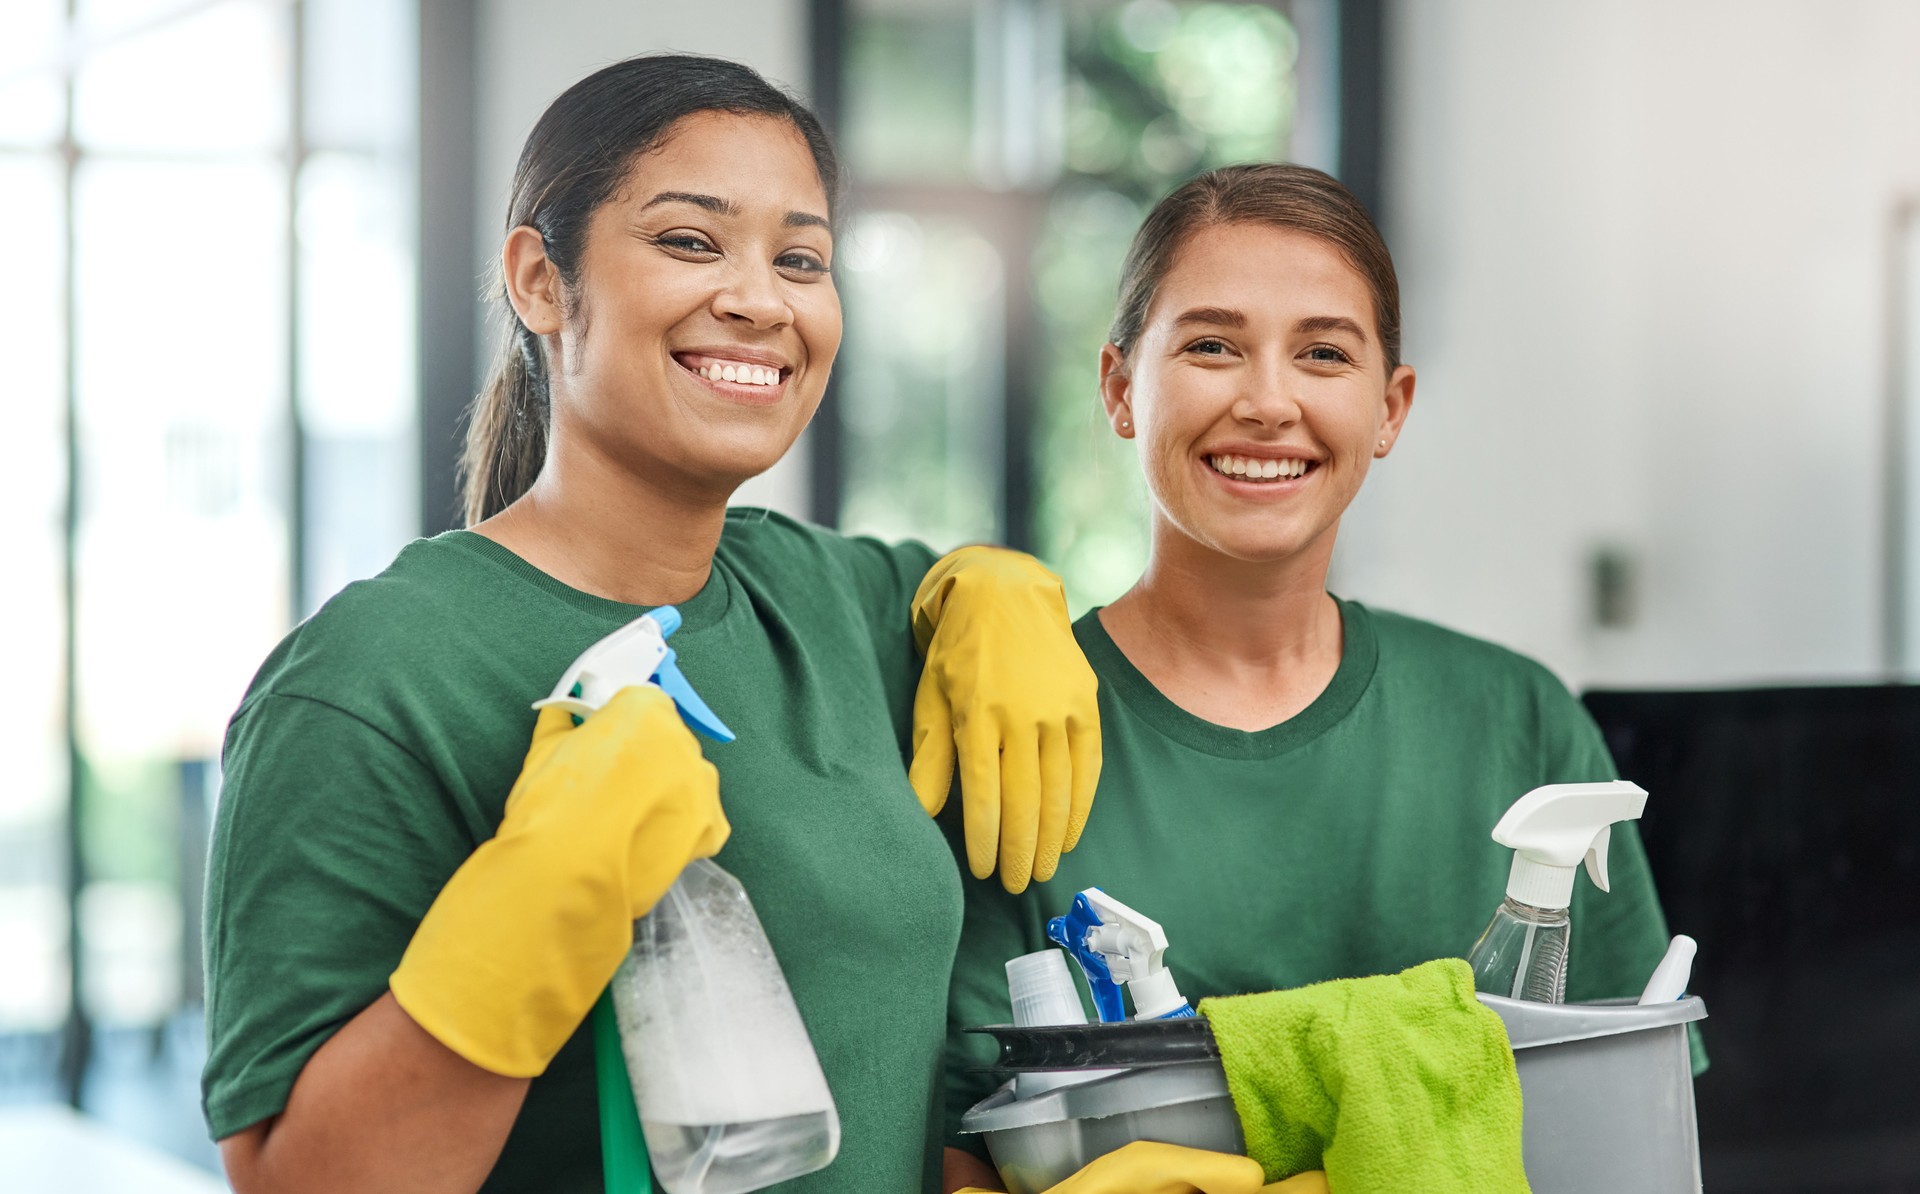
(1553, 831)
(730, 1092)
(1523, 953)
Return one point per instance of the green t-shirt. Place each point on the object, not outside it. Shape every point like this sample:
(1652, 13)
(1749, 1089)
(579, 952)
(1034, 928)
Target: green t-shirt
(1350, 840)
(375, 750)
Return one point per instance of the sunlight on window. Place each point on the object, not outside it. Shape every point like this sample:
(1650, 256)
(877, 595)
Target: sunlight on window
(210, 81)
(181, 352)
(357, 406)
(132, 931)
(32, 907)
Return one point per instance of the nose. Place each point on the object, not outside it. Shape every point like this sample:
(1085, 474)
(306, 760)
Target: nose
(1268, 400)
(753, 294)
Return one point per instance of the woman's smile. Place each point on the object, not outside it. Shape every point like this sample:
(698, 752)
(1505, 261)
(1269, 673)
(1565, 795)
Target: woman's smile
(754, 377)
(1260, 474)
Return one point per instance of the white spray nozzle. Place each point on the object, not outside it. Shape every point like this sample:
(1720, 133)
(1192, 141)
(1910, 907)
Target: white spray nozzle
(1131, 943)
(1553, 829)
(1116, 945)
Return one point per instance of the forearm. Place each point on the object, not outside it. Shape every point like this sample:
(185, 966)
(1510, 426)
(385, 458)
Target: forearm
(963, 1170)
(382, 1106)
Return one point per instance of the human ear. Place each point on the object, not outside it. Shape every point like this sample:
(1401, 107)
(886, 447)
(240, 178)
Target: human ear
(1116, 390)
(533, 284)
(1398, 400)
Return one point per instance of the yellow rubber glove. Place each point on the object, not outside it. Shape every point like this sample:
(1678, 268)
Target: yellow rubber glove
(1145, 1167)
(527, 933)
(1008, 692)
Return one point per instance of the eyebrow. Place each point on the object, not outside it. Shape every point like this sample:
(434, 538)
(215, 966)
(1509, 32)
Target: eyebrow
(1311, 325)
(1217, 316)
(727, 207)
(1331, 323)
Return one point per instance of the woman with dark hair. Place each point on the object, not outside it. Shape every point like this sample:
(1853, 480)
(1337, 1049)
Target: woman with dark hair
(403, 938)
(1298, 787)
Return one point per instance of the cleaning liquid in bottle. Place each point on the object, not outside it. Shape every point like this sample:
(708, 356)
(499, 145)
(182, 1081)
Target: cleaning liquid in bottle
(1552, 830)
(729, 1093)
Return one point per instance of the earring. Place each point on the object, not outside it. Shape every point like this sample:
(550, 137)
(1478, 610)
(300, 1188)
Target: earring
(1383, 443)
(1126, 424)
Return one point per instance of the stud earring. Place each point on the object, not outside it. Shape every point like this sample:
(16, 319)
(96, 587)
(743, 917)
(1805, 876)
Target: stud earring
(1126, 424)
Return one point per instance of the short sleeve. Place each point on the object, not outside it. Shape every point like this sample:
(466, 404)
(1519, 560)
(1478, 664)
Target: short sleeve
(885, 577)
(330, 842)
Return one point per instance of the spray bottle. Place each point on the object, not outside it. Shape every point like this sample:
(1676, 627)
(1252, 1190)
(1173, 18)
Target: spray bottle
(704, 1067)
(1115, 945)
(1552, 830)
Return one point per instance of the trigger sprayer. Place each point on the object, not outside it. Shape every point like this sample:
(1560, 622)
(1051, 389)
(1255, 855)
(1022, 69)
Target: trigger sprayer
(1553, 831)
(637, 653)
(1113, 945)
(695, 1038)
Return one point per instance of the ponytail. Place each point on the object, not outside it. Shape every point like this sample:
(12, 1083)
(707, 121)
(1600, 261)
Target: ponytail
(507, 427)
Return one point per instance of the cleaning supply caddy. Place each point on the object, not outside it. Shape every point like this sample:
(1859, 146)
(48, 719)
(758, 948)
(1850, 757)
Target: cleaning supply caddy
(1607, 1088)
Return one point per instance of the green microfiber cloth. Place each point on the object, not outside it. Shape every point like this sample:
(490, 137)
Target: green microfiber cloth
(1394, 1083)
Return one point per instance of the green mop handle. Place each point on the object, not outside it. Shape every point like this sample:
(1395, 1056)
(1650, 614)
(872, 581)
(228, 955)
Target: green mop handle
(623, 1148)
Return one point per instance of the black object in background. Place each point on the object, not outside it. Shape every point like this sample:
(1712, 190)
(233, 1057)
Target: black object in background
(1783, 827)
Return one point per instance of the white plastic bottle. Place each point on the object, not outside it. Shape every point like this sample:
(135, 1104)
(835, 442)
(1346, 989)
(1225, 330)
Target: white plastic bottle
(1522, 954)
(1043, 996)
(730, 1093)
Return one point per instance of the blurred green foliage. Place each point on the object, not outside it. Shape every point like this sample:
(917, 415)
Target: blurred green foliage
(1156, 91)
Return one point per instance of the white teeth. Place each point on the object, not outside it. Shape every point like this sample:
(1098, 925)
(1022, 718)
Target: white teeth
(1257, 469)
(751, 375)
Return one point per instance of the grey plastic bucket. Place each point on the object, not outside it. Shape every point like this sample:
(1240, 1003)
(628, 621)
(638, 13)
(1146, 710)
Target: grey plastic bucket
(1039, 1142)
(1609, 1095)
(1608, 1090)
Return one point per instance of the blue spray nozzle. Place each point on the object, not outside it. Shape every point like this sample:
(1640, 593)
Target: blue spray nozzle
(693, 710)
(637, 653)
(1070, 933)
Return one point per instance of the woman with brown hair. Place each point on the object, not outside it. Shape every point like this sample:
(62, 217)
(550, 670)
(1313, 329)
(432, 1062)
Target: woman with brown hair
(1297, 787)
(410, 910)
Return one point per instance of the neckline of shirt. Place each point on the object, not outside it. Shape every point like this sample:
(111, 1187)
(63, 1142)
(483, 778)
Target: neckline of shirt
(701, 610)
(1359, 654)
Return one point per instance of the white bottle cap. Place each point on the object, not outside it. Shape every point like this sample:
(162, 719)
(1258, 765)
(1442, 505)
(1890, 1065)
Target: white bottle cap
(1042, 990)
(1154, 995)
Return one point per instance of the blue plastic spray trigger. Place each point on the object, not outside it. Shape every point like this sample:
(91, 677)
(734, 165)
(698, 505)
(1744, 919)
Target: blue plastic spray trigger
(1070, 932)
(693, 710)
(637, 653)
(1116, 945)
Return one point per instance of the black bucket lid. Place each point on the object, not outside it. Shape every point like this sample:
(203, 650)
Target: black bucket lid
(1131, 1044)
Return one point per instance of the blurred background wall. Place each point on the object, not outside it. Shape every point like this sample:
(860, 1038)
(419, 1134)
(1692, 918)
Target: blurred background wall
(1661, 276)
